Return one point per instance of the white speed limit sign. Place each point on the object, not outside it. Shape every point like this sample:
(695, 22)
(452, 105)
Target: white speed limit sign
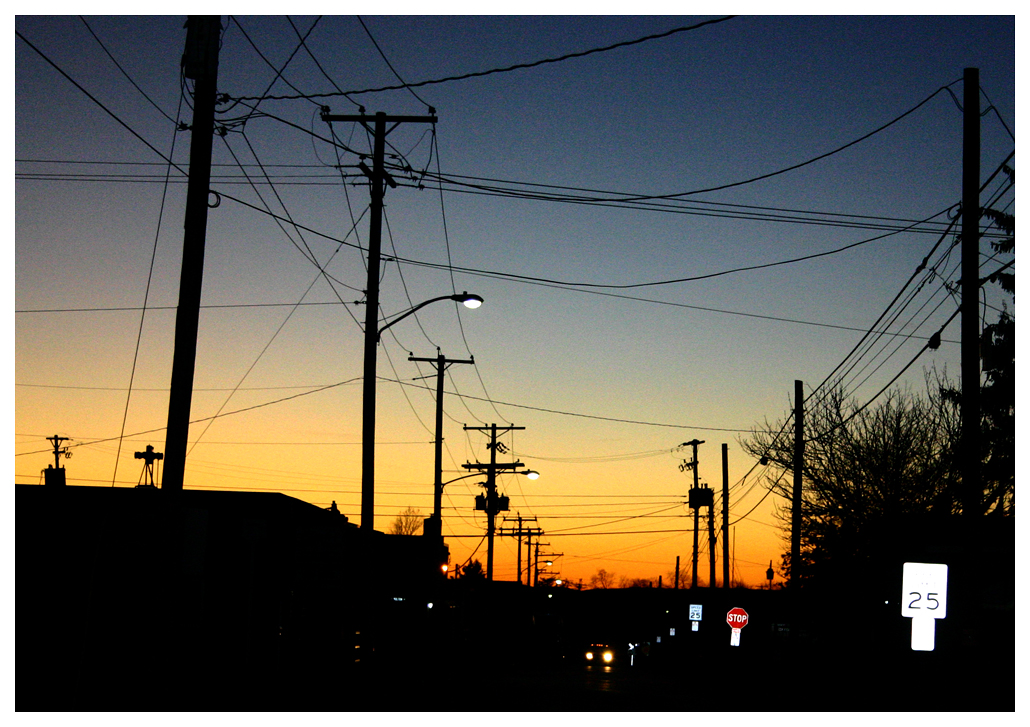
(924, 598)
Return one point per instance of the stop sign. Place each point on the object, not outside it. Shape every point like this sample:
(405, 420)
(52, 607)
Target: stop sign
(737, 618)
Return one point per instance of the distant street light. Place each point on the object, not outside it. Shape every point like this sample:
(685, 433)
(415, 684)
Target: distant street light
(368, 418)
(434, 524)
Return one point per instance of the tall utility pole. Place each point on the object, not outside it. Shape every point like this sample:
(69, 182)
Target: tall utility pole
(54, 476)
(796, 500)
(971, 491)
(492, 503)
(694, 502)
(549, 559)
(200, 63)
(518, 533)
(378, 178)
(725, 517)
(433, 525)
(711, 543)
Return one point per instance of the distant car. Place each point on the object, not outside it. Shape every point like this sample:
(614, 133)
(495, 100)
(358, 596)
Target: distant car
(602, 655)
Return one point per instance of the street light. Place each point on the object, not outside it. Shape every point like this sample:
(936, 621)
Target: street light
(433, 525)
(469, 300)
(368, 408)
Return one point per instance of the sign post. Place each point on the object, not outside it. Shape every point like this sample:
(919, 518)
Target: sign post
(695, 616)
(737, 619)
(924, 598)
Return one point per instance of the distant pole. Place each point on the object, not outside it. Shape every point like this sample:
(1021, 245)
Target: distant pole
(491, 509)
(55, 476)
(677, 572)
(711, 545)
(799, 458)
(200, 62)
(518, 557)
(694, 443)
(725, 517)
(493, 503)
(433, 527)
(971, 491)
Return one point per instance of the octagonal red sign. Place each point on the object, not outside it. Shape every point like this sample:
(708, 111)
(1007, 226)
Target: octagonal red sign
(737, 618)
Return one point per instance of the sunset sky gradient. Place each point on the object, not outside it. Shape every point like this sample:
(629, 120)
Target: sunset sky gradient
(572, 199)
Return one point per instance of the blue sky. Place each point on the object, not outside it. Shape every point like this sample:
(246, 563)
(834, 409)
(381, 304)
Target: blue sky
(607, 380)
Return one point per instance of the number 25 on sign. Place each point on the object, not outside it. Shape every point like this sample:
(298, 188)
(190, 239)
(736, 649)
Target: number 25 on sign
(924, 598)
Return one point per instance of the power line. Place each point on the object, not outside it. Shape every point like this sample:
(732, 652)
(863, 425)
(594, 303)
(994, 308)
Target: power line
(506, 69)
(124, 72)
(98, 103)
(390, 65)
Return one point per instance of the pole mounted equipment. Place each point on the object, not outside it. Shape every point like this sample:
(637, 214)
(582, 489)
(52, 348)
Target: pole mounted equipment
(377, 127)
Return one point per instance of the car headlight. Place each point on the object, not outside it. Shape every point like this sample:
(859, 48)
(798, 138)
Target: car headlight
(607, 656)
(590, 655)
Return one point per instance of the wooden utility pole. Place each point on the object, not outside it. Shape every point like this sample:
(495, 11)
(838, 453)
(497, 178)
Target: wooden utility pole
(695, 502)
(518, 533)
(378, 179)
(725, 517)
(796, 500)
(971, 490)
(433, 525)
(200, 63)
(55, 476)
(698, 497)
(491, 502)
(711, 544)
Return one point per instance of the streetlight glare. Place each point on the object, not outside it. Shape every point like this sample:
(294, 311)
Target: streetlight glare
(533, 475)
(469, 300)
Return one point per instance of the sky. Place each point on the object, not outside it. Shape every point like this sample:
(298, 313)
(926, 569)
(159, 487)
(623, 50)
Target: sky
(640, 222)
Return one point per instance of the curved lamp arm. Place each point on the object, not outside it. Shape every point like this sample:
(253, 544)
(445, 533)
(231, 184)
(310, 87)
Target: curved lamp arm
(531, 474)
(470, 300)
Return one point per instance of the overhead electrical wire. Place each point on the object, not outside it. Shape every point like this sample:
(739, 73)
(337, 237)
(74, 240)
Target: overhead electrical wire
(695, 207)
(278, 71)
(387, 61)
(303, 42)
(125, 73)
(146, 296)
(98, 103)
(507, 69)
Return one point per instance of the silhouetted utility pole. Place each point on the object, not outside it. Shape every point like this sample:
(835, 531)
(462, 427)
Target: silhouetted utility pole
(549, 559)
(677, 572)
(433, 525)
(378, 178)
(799, 460)
(149, 456)
(696, 501)
(55, 475)
(518, 533)
(971, 491)
(491, 503)
(711, 541)
(725, 517)
(200, 63)
(699, 497)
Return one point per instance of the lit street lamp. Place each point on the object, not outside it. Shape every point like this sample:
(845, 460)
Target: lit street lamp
(368, 419)
(433, 525)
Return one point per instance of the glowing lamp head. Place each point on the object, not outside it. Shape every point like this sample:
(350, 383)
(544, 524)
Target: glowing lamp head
(533, 475)
(469, 300)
